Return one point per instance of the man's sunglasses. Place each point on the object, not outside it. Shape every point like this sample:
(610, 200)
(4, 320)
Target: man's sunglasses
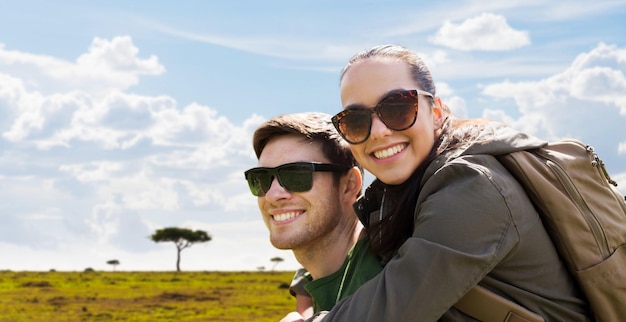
(294, 177)
(398, 111)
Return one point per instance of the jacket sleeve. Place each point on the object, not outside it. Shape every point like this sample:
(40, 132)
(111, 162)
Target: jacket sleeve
(463, 228)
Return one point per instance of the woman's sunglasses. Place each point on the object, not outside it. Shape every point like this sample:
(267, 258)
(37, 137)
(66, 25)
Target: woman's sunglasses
(398, 111)
(294, 177)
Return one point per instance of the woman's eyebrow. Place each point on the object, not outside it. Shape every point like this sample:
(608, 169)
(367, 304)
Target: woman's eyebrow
(382, 97)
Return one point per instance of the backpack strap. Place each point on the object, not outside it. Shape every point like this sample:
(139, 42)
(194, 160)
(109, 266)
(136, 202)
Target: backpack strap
(484, 305)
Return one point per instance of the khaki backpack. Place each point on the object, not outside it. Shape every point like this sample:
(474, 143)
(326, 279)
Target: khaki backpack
(584, 214)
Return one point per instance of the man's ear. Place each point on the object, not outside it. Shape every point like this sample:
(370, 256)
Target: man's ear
(354, 183)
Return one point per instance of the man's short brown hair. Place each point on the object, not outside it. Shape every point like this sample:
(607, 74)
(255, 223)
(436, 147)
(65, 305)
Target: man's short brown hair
(314, 127)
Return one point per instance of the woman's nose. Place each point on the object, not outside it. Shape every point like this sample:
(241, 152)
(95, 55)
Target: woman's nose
(379, 129)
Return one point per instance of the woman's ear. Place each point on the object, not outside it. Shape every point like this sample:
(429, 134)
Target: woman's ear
(438, 110)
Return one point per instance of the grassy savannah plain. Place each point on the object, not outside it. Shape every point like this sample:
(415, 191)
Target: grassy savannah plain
(144, 296)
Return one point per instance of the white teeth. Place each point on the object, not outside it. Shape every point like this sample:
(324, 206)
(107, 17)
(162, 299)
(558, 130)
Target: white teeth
(285, 216)
(386, 153)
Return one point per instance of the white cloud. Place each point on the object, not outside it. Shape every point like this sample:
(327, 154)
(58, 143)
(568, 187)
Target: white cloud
(487, 32)
(599, 76)
(108, 65)
(92, 171)
(586, 101)
(594, 86)
(119, 54)
(52, 101)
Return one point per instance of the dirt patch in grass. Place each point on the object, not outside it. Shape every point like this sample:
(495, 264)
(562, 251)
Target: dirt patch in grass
(176, 296)
(37, 284)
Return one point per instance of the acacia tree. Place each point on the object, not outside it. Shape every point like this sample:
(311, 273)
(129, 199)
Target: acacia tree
(181, 237)
(113, 262)
(276, 260)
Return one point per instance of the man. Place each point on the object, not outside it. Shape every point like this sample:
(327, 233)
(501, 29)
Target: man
(306, 183)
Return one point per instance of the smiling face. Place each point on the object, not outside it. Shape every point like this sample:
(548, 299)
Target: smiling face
(391, 156)
(298, 220)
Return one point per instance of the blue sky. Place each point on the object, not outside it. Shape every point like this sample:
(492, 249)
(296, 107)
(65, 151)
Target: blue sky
(121, 117)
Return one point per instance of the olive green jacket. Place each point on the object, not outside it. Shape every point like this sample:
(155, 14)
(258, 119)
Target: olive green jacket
(474, 224)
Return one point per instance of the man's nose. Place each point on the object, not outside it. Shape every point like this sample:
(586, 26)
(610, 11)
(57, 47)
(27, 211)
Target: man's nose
(276, 191)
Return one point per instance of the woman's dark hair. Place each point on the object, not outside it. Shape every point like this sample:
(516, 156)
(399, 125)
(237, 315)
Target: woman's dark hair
(418, 69)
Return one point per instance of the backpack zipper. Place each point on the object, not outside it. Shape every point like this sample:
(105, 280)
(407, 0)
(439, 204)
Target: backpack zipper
(592, 221)
(597, 162)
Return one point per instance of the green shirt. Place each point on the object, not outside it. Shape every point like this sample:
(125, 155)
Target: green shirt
(359, 267)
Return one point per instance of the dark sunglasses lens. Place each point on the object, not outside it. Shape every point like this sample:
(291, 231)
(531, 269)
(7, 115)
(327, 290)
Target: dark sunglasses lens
(296, 178)
(355, 125)
(399, 113)
(259, 182)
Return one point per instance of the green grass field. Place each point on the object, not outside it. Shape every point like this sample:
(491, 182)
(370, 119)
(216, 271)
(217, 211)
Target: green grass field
(144, 296)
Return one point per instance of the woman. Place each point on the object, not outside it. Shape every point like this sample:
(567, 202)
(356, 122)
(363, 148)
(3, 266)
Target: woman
(443, 213)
